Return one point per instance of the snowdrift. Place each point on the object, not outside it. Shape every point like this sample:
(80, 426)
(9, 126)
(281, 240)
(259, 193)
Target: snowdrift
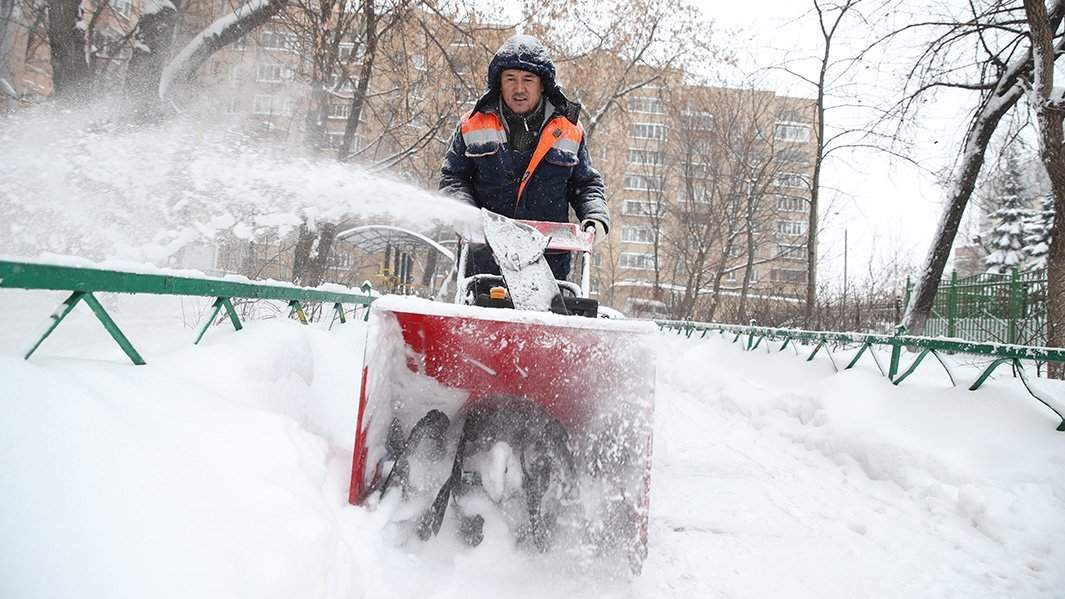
(222, 470)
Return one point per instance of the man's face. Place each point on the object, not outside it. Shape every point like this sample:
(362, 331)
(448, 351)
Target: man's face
(521, 90)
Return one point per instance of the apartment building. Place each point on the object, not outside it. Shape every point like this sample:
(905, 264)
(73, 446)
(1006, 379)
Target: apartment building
(708, 187)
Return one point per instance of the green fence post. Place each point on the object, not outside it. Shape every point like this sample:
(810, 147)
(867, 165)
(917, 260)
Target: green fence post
(219, 304)
(1014, 305)
(216, 308)
(113, 329)
(232, 312)
(294, 307)
(952, 305)
(896, 351)
(57, 317)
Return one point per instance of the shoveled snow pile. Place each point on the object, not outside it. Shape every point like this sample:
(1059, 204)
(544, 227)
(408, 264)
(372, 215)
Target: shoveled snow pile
(222, 470)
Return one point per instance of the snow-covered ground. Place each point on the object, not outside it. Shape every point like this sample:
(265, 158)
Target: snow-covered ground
(222, 471)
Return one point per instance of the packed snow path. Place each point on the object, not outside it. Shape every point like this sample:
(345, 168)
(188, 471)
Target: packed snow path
(221, 471)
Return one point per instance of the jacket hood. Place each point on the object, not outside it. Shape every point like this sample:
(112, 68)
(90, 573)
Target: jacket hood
(526, 53)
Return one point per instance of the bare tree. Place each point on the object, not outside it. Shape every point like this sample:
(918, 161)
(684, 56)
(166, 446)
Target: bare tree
(986, 51)
(1048, 103)
(609, 50)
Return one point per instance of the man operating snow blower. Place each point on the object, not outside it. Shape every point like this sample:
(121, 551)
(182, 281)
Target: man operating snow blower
(515, 415)
(521, 152)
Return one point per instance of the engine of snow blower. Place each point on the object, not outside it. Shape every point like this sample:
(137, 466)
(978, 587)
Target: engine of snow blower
(534, 419)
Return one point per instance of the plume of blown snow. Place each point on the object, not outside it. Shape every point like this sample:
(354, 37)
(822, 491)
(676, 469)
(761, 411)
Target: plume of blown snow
(76, 184)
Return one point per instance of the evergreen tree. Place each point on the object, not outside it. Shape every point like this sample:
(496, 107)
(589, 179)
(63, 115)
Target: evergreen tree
(1037, 234)
(1007, 236)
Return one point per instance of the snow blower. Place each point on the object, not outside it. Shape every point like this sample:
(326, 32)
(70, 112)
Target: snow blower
(517, 404)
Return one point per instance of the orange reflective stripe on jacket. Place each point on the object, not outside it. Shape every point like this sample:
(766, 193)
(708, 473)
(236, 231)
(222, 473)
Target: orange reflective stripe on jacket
(559, 133)
(481, 128)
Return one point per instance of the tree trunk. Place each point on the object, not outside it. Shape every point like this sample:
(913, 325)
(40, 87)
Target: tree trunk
(71, 75)
(1055, 296)
(358, 100)
(311, 260)
(10, 22)
(1052, 153)
(985, 122)
(155, 37)
(749, 266)
(317, 113)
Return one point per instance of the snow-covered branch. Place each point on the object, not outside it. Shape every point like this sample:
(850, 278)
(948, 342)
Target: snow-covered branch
(216, 36)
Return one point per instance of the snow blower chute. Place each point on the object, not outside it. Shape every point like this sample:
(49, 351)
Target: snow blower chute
(516, 405)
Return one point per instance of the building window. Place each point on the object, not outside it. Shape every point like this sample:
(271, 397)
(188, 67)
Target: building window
(636, 260)
(643, 182)
(122, 7)
(697, 170)
(268, 73)
(631, 234)
(793, 180)
(594, 290)
(791, 252)
(638, 208)
(784, 275)
(339, 110)
(270, 105)
(791, 204)
(698, 120)
(344, 51)
(795, 132)
(648, 131)
(233, 105)
(418, 62)
(646, 104)
(730, 275)
(276, 40)
(342, 85)
(791, 227)
(340, 260)
(638, 156)
(695, 194)
(793, 155)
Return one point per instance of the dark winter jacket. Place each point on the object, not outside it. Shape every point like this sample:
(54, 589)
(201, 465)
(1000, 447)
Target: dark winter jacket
(482, 169)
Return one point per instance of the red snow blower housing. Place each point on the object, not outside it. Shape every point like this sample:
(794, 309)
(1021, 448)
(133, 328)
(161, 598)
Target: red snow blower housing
(539, 420)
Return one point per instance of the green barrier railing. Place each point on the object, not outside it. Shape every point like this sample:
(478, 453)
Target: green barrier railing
(822, 340)
(84, 282)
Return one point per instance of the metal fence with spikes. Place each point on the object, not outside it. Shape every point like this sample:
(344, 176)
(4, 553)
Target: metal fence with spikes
(83, 283)
(753, 337)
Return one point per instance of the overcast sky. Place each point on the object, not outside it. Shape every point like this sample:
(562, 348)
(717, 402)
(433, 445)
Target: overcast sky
(886, 205)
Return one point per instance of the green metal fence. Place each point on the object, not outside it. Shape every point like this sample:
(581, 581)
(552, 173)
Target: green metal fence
(754, 337)
(990, 307)
(83, 283)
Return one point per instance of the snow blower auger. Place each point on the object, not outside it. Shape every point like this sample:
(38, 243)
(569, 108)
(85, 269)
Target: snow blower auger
(535, 421)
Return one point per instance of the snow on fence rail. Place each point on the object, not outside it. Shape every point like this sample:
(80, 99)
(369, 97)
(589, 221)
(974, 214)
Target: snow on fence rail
(1000, 353)
(84, 282)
